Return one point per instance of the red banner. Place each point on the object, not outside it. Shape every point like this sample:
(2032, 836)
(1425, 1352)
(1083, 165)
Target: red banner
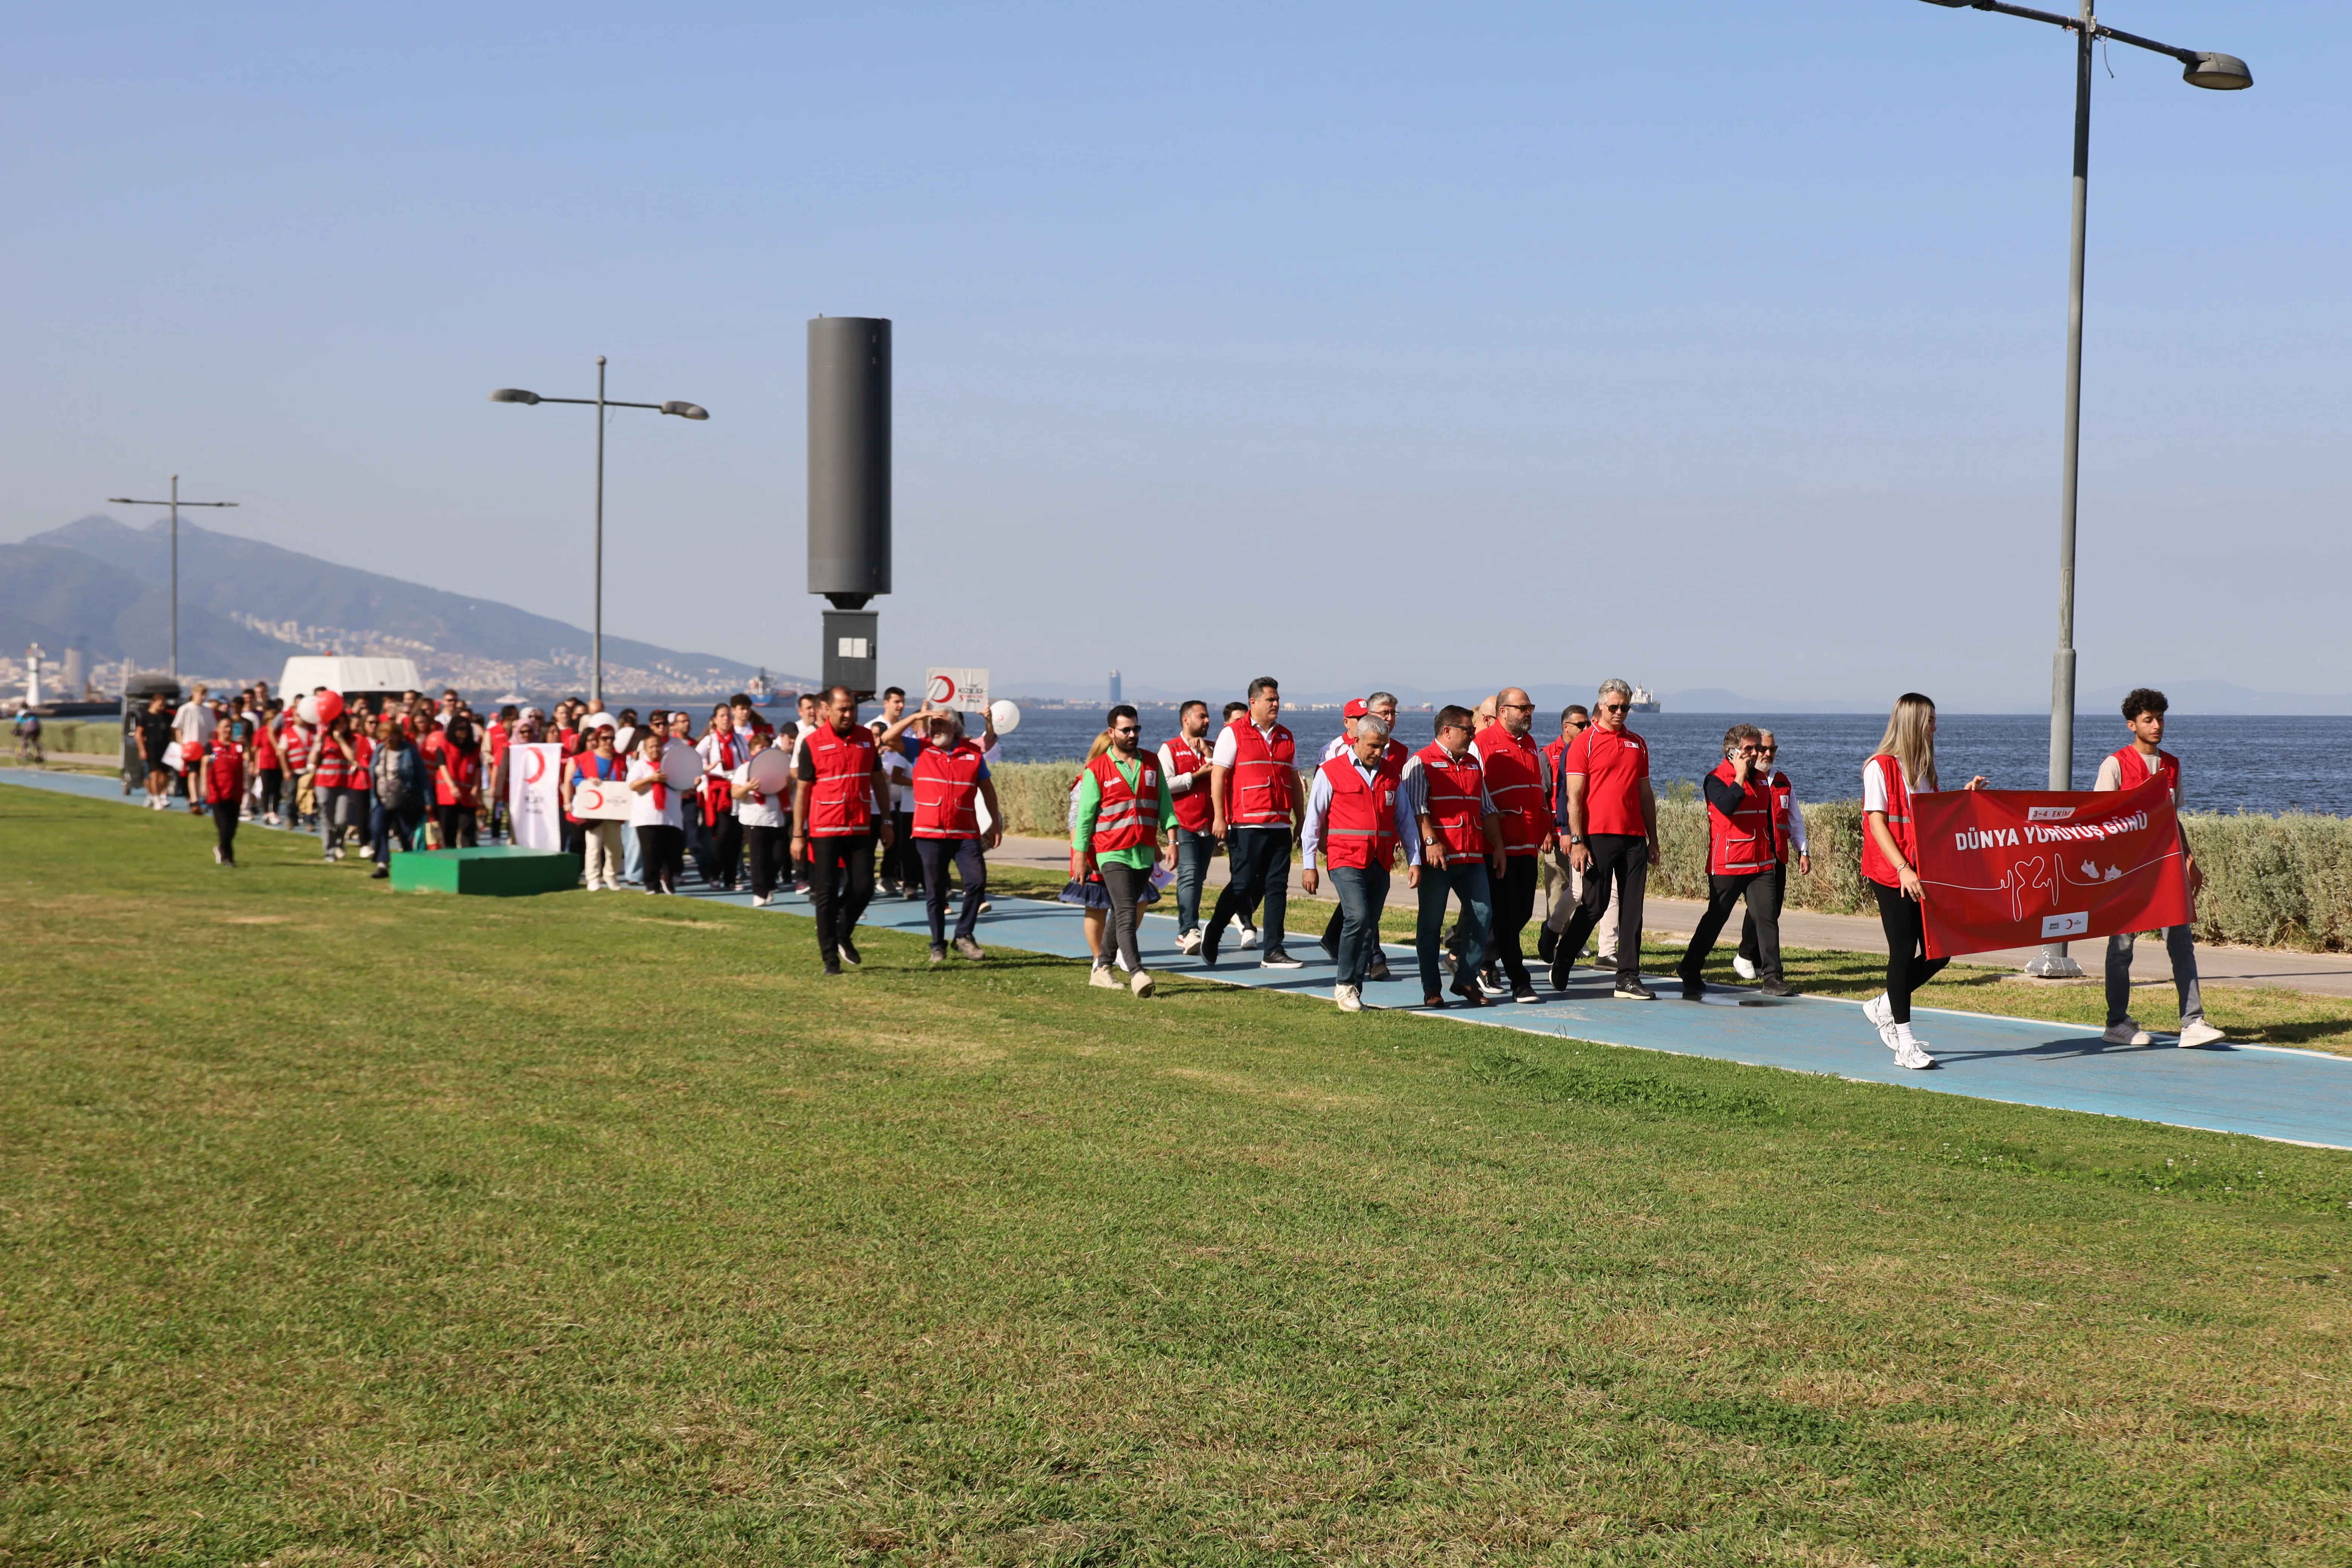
(2021, 867)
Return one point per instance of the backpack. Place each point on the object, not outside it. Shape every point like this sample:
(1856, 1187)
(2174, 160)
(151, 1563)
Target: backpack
(392, 785)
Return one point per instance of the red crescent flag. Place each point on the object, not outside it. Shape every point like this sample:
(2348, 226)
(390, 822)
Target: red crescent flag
(2020, 868)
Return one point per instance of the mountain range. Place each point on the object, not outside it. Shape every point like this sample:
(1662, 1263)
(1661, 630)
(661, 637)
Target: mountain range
(245, 606)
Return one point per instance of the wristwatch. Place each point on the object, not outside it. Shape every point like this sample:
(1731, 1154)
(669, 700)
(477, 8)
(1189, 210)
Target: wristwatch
(1576, 839)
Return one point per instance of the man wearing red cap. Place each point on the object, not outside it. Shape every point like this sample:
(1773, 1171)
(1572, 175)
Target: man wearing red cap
(1382, 705)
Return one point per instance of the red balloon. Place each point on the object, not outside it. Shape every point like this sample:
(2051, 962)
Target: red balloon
(329, 704)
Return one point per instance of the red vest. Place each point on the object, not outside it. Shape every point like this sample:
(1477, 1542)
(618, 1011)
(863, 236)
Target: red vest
(1556, 753)
(1451, 798)
(1361, 831)
(1515, 779)
(294, 743)
(1264, 789)
(2135, 770)
(1127, 818)
(841, 801)
(947, 792)
(1784, 796)
(1741, 843)
(1874, 864)
(332, 766)
(1193, 812)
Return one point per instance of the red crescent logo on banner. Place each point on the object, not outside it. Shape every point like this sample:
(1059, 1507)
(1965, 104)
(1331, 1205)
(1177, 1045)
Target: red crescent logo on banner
(942, 689)
(538, 767)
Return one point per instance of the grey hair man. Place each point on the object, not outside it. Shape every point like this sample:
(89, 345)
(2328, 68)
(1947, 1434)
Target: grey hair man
(1383, 706)
(1609, 814)
(1357, 816)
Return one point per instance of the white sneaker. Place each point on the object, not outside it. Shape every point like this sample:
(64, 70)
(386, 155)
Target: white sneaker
(2127, 1033)
(1908, 1052)
(1742, 968)
(1879, 1011)
(1249, 937)
(1351, 998)
(1889, 1038)
(217, 856)
(1188, 942)
(1142, 982)
(1104, 976)
(2201, 1033)
(762, 900)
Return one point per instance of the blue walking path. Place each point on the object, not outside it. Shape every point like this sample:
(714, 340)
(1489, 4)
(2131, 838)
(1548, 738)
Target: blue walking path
(2302, 1097)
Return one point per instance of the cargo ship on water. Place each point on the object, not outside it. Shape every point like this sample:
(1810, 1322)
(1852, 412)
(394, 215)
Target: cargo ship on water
(1642, 702)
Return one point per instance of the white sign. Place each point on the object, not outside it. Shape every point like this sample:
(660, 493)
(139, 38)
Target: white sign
(533, 769)
(600, 800)
(965, 690)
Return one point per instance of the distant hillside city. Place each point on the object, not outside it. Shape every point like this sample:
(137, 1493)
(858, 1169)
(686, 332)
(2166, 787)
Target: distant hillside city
(94, 596)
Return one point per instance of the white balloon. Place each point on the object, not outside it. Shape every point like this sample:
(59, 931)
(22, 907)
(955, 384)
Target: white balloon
(1006, 715)
(305, 710)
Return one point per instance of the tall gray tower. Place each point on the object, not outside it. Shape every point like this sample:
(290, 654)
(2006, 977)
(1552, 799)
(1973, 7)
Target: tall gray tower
(849, 489)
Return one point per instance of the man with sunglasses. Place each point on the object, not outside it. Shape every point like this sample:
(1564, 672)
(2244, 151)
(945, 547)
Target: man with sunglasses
(1609, 815)
(1574, 719)
(1788, 832)
(1518, 781)
(1742, 861)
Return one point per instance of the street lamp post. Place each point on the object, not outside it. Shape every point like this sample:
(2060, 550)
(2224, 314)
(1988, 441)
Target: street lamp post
(2198, 68)
(600, 402)
(175, 503)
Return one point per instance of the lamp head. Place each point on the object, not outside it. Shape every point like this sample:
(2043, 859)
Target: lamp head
(513, 394)
(686, 410)
(2223, 73)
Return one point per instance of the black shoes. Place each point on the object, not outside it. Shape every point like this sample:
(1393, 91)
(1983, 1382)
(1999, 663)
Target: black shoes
(849, 953)
(1524, 991)
(1209, 939)
(1547, 943)
(1776, 988)
(1276, 958)
(1633, 990)
(1379, 968)
(1562, 967)
(1469, 993)
(1693, 988)
(831, 967)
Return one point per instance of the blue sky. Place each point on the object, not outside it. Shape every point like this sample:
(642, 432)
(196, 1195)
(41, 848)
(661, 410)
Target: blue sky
(1710, 346)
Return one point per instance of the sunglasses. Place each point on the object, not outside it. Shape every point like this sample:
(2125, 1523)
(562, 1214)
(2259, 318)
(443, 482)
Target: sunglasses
(1612, 707)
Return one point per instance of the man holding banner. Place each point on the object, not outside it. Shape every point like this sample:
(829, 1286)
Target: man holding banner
(2129, 768)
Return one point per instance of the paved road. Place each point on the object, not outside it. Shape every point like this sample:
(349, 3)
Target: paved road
(2266, 1092)
(2320, 974)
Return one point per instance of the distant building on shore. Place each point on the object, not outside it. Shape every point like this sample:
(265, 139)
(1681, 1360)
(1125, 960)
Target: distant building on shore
(1115, 697)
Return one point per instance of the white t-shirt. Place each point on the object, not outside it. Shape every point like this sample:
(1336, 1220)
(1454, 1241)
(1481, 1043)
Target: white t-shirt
(1873, 786)
(191, 723)
(1227, 748)
(766, 812)
(901, 775)
(642, 812)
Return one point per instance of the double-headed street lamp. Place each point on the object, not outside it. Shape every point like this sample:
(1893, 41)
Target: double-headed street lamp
(600, 402)
(2198, 68)
(175, 503)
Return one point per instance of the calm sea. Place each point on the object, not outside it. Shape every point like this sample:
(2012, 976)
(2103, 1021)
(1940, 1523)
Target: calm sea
(2228, 764)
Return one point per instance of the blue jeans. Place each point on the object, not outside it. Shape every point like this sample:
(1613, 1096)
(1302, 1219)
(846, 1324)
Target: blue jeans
(634, 872)
(1258, 861)
(1362, 889)
(1465, 880)
(936, 854)
(386, 823)
(1193, 852)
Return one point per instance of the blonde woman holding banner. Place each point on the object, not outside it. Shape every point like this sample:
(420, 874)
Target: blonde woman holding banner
(1904, 766)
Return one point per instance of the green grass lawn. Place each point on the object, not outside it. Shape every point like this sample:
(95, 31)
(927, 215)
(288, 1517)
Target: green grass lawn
(342, 1227)
(2264, 1015)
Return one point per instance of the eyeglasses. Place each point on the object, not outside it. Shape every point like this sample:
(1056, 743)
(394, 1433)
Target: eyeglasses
(1523, 707)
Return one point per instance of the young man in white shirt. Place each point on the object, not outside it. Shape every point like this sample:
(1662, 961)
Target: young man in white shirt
(2125, 767)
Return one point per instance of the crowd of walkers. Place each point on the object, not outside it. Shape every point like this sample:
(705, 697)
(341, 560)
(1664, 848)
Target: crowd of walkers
(834, 807)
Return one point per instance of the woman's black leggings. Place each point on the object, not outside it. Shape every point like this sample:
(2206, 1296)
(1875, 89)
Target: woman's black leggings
(661, 851)
(1908, 967)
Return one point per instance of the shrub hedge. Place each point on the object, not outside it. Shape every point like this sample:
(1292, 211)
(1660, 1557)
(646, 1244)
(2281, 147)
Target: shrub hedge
(2270, 881)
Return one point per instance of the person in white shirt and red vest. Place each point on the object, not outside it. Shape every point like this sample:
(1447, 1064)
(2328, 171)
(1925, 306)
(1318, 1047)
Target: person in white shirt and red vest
(1185, 762)
(1610, 813)
(1518, 780)
(2128, 768)
(1460, 849)
(1904, 766)
(1255, 810)
(1382, 705)
(950, 781)
(841, 812)
(1356, 815)
(1743, 856)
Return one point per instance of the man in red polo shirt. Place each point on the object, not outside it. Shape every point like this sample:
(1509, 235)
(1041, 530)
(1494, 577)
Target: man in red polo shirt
(1609, 815)
(1518, 780)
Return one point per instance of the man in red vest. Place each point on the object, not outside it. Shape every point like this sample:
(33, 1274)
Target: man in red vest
(1460, 848)
(1184, 762)
(1611, 815)
(1357, 816)
(1382, 705)
(2128, 768)
(1789, 833)
(1254, 809)
(1519, 784)
(951, 781)
(1743, 858)
(841, 811)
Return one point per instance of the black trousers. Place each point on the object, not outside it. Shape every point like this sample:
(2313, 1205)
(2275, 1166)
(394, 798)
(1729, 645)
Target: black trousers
(841, 884)
(273, 786)
(1626, 859)
(661, 857)
(224, 828)
(1780, 881)
(1257, 865)
(937, 856)
(722, 850)
(1908, 967)
(905, 860)
(1723, 894)
(1513, 896)
(766, 848)
(456, 824)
